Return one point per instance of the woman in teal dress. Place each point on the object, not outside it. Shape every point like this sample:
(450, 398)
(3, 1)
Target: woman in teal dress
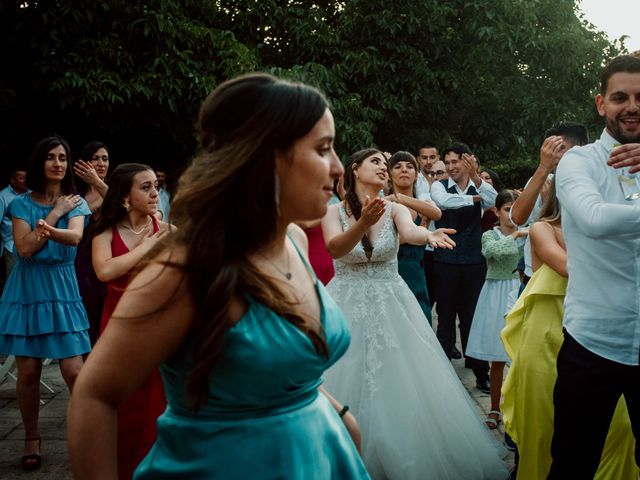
(230, 310)
(41, 312)
(403, 170)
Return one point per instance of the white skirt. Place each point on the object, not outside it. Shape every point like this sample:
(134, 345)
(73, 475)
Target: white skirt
(416, 418)
(484, 338)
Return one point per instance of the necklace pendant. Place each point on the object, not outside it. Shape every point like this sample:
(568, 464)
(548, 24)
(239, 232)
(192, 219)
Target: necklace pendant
(288, 275)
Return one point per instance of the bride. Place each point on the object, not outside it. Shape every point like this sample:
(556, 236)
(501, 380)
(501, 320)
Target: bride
(416, 418)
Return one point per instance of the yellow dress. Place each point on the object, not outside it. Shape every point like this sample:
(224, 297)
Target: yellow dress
(532, 338)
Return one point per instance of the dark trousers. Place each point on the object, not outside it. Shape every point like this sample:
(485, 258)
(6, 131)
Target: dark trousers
(427, 264)
(585, 396)
(457, 290)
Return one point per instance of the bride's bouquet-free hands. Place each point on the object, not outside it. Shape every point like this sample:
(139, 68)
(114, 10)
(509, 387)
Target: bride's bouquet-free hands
(440, 238)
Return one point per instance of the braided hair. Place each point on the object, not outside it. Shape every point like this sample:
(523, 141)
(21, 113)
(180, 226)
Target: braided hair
(351, 198)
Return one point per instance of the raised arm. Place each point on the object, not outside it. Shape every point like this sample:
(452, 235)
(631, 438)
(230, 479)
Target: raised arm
(339, 242)
(550, 154)
(580, 196)
(493, 247)
(88, 173)
(155, 311)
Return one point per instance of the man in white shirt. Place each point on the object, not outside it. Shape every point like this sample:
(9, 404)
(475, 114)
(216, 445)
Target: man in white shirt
(164, 197)
(460, 273)
(599, 359)
(427, 156)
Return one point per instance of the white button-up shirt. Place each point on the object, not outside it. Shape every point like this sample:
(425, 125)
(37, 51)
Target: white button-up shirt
(445, 200)
(422, 185)
(602, 234)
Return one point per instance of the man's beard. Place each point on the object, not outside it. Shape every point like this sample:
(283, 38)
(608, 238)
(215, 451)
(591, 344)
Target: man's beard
(615, 128)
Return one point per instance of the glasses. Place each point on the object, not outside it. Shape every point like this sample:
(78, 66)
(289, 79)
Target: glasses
(437, 173)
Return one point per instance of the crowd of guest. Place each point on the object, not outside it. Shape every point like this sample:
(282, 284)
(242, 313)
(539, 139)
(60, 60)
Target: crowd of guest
(195, 343)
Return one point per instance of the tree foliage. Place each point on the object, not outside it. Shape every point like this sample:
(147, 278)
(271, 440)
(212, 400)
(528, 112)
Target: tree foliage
(494, 74)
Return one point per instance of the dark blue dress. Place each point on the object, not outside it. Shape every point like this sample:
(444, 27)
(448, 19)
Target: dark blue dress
(410, 268)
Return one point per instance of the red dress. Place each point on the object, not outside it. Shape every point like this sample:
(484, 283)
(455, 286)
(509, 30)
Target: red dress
(319, 257)
(137, 416)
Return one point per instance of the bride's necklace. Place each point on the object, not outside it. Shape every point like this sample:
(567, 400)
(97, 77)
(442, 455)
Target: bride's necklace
(285, 273)
(137, 232)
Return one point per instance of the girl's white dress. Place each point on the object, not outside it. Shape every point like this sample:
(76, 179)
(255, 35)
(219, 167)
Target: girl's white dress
(417, 420)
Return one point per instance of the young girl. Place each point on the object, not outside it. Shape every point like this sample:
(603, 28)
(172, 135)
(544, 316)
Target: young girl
(532, 338)
(502, 252)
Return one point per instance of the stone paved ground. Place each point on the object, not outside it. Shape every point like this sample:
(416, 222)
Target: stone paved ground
(55, 464)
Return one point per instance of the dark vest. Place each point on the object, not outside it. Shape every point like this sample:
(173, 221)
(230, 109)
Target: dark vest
(467, 222)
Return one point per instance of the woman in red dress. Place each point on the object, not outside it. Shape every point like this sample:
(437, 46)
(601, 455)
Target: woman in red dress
(125, 231)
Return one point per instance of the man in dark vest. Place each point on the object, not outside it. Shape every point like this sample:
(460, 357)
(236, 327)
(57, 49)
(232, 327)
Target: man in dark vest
(460, 273)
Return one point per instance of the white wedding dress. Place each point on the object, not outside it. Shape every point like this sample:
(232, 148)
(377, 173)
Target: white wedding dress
(417, 420)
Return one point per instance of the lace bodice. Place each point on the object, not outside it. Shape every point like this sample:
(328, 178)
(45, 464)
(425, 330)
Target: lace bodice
(384, 260)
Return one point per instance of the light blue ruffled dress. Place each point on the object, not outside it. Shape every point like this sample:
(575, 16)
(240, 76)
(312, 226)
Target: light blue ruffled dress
(264, 418)
(41, 312)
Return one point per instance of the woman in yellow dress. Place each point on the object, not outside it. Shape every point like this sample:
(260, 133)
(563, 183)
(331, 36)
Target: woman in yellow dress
(532, 338)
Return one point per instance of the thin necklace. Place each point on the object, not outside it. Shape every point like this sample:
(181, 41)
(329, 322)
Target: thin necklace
(138, 232)
(286, 273)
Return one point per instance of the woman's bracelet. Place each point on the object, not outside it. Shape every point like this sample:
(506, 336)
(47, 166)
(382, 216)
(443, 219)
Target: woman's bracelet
(344, 410)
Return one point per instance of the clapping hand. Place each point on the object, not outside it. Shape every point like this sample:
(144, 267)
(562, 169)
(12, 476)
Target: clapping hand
(440, 238)
(372, 210)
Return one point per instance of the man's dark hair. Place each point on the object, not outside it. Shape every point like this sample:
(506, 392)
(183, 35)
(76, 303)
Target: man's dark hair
(575, 132)
(457, 147)
(623, 63)
(426, 144)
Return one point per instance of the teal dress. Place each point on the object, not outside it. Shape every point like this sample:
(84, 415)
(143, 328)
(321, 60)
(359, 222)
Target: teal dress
(41, 312)
(410, 268)
(264, 418)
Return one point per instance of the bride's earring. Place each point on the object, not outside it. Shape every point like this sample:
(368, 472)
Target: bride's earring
(126, 205)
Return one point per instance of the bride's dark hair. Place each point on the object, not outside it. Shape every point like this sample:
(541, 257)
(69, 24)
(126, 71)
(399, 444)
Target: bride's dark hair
(225, 208)
(351, 198)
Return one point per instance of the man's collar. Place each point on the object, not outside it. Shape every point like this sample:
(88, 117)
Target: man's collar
(607, 140)
(452, 183)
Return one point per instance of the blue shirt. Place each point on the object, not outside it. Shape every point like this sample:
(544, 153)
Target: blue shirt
(6, 225)
(602, 234)
(164, 204)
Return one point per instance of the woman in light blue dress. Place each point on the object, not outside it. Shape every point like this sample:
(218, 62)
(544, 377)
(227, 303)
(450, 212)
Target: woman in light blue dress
(41, 312)
(230, 309)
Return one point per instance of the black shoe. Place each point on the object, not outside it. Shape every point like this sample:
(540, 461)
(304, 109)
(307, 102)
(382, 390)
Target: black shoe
(483, 385)
(455, 354)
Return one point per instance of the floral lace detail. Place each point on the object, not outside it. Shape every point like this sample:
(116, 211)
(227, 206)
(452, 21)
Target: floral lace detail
(355, 275)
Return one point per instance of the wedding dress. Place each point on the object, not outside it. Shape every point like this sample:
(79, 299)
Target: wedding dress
(416, 418)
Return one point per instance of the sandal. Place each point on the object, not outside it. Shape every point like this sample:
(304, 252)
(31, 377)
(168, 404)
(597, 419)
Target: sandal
(494, 418)
(34, 460)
